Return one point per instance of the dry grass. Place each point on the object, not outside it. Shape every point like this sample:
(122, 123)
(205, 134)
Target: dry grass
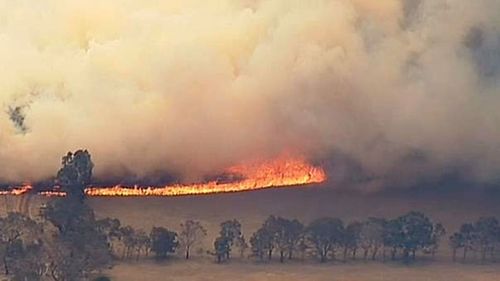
(251, 209)
(208, 271)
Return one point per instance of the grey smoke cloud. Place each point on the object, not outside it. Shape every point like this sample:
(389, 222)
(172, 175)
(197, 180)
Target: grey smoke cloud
(400, 89)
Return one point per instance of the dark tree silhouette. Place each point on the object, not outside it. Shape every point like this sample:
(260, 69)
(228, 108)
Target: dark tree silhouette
(230, 232)
(487, 236)
(371, 236)
(294, 233)
(75, 174)
(273, 230)
(222, 248)
(468, 234)
(481, 236)
(261, 243)
(277, 233)
(163, 242)
(352, 238)
(81, 246)
(325, 234)
(393, 237)
(416, 232)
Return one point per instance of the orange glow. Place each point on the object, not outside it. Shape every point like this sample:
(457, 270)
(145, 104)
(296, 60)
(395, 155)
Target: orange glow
(276, 173)
(52, 193)
(280, 172)
(17, 190)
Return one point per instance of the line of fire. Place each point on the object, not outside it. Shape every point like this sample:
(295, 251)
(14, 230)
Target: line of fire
(284, 171)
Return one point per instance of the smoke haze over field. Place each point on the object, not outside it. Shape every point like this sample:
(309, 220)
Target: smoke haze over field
(393, 91)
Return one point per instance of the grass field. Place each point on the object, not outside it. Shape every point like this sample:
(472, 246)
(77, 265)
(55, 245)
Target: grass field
(207, 271)
(450, 208)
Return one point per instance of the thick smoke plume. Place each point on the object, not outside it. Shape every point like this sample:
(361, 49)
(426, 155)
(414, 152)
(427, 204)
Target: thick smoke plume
(393, 91)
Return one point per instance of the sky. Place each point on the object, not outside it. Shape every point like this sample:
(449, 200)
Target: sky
(383, 93)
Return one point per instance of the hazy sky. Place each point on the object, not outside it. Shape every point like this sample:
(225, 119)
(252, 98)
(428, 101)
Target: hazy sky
(397, 90)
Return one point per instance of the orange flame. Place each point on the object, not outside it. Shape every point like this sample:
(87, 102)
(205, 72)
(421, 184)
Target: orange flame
(276, 173)
(17, 190)
(280, 172)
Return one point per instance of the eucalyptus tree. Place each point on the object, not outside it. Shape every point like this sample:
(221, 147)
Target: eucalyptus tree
(192, 233)
(163, 242)
(372, 236)
(325, 234)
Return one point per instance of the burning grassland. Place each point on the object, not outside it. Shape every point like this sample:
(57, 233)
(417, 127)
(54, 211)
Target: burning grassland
(283, 171)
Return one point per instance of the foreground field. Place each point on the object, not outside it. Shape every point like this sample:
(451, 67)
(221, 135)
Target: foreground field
(206, 271)
(451, 208)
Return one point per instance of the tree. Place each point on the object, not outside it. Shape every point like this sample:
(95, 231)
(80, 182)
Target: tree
(285, 235)
(78, 253)
(75, 174)
(242, 245)
(17, 233)
(456, 242)
(262, 243)
(393, 237)
(163, 242)
(487, 235)
(229, 233)
(142, 243)
(325, 234)
(30, 263)
(222, 248)
(111, 228)
(371, 236)
(416, 233)
(437, 233)
(80, 246)
(294, 232)
(352, 238)
(67, 214)
(192, 232)
(274, 231)
(127, 235)
(468, 235)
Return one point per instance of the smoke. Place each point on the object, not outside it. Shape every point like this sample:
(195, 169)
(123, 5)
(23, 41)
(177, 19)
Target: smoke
(393, 91)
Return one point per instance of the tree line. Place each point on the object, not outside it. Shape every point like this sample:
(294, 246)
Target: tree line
(330, 238)
(480, 238)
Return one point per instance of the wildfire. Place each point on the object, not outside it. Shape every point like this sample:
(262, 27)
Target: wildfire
(280, 172)
(17, 190)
